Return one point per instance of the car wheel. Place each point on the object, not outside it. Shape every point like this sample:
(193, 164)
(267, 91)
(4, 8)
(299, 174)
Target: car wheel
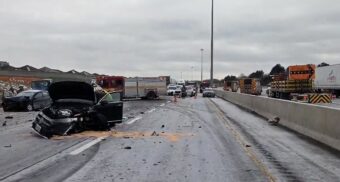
(151, 95)
(29, 107)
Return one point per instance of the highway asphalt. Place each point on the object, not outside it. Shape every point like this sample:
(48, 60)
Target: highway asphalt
(192, 139)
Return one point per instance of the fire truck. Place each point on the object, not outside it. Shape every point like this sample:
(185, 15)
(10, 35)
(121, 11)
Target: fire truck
(111, 83)
(136, 87)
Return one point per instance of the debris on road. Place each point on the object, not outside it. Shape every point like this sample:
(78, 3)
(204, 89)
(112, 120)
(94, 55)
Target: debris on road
(248, 145)
(163, 126)
(8, 146)
(154, 133)
(4, 123)
(128, 147)
(275, 121)
(200, 127)
(172, 137)
(9, 117)
(142, 112)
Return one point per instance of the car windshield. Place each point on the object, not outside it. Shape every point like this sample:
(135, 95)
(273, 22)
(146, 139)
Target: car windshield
(172, 88)
(26, 94)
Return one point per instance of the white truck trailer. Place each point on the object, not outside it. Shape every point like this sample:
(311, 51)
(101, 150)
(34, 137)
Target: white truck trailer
(327, 79)
(144, 87)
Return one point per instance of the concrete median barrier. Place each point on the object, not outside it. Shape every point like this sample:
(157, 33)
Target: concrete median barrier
(318, 122)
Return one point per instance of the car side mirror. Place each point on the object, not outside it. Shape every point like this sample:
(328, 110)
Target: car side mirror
(104, 102)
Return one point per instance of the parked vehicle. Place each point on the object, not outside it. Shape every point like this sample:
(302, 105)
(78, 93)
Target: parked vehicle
(192, 83)
(178, 90)
(190, 91)
(250, 86)
(28, 100)
(181, 82)
(111, 83)
(171, 90)
(298, 80)
(203, 85)
(77, 107)
(208, 92)
(144, 87)
(167, 79)
(327, 79)
(137, 87)
(231, 85)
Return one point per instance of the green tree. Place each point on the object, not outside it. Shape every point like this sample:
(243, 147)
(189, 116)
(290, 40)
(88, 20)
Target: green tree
(257, 74)
(266, 79)
(323, 64)
(277, 69)
(230, 78)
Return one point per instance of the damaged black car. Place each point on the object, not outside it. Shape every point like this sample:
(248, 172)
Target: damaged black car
(77, 106)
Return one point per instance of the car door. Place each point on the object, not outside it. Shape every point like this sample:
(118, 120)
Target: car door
(46, 100)
(37, 100)
(111, 107)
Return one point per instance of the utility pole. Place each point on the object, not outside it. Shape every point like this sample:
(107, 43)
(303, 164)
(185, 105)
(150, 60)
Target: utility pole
(212, 44)
(202, 65)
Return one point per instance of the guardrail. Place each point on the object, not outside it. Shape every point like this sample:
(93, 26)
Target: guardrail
(321, 123)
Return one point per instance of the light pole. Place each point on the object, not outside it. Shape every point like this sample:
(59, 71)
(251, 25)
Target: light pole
(192, 73)
(202, 65)
(212, 44)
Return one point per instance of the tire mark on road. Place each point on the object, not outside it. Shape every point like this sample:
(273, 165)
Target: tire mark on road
(285, 171)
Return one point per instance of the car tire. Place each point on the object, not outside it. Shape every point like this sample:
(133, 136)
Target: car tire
(29, 107)
(151, 95)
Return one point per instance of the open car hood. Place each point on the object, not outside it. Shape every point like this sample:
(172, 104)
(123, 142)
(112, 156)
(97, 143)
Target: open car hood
(71, 90)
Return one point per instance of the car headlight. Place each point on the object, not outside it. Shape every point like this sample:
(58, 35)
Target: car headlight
(65, 113)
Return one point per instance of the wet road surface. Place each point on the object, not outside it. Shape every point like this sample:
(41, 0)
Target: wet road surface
(191, 140)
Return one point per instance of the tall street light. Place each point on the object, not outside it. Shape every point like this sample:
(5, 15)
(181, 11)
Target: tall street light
(192, 73)
(212, 44)
(202, 65)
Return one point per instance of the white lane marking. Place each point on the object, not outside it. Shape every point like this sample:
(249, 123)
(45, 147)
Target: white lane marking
(86, 146)
(162, 105)
(151, 110)
(134, 120)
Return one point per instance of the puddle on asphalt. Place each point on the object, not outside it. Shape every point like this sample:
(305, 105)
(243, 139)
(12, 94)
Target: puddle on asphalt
(172, 137)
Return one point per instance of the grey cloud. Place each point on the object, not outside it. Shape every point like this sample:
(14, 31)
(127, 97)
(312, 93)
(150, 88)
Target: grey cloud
(155, 37)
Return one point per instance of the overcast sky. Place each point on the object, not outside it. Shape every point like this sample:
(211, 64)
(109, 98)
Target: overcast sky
(164, 37)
